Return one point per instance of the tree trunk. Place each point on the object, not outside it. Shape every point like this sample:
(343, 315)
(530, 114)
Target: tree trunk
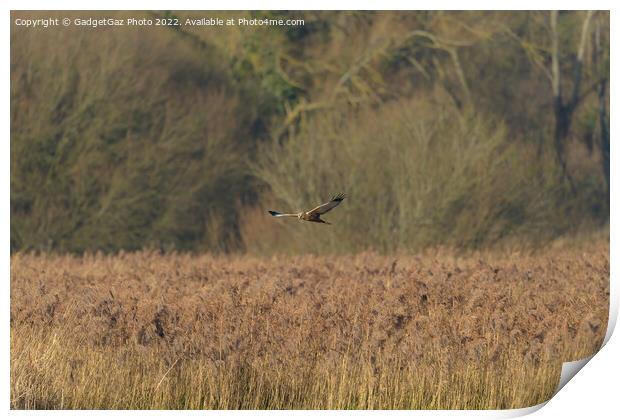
(563, 112)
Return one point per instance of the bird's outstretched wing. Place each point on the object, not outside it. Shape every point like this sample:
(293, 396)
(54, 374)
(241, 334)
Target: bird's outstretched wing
(278, 214)
(324, 208)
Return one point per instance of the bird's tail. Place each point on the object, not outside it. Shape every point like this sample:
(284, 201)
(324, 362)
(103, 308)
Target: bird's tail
(278, 214)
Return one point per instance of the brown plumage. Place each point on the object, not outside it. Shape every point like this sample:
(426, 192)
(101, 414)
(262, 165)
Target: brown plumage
(313, 215)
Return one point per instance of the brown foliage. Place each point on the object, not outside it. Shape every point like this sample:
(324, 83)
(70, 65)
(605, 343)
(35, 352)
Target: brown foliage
(435, 330)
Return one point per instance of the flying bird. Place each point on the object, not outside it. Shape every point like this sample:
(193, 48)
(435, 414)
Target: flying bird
(313, 215)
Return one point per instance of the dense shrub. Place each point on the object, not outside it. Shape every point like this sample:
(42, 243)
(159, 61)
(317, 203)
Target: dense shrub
(417, 175)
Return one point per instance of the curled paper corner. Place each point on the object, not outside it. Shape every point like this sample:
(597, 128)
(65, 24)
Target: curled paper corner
(570, 369)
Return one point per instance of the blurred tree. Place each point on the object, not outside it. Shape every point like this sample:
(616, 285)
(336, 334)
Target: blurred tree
(564, 109)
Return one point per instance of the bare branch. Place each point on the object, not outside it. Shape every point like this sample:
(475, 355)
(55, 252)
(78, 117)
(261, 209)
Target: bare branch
(437, 39)
(460, 73)
(579, 65)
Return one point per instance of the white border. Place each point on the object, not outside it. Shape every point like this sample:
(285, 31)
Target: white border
(597, 384)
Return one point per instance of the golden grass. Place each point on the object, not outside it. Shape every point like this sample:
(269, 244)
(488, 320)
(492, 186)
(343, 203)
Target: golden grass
(177, 331)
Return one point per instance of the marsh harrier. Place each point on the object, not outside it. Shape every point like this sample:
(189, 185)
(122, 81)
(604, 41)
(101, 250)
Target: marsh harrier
(313, 215)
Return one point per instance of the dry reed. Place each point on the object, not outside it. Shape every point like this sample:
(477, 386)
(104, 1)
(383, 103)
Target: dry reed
(176, 331)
